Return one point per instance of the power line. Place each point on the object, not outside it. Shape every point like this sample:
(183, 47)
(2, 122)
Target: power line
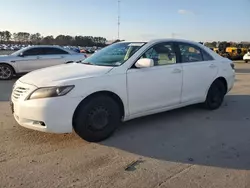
(118, 20)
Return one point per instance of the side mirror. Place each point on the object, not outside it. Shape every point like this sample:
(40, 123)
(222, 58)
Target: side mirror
(21, 54)
(144, 63)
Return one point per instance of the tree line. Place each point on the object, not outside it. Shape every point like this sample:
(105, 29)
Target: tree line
(37, 38)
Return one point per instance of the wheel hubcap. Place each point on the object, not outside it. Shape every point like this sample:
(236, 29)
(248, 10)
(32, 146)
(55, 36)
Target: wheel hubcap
(98, 118)
(5, 72)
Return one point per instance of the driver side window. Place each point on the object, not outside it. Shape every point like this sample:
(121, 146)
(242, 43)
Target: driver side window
(33, 52)
(162, 54)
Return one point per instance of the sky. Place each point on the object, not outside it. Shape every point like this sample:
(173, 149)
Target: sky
(199, 20)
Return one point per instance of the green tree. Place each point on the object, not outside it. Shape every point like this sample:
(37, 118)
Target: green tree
(35, 38)
(48, 40)
(6, 36)
(1, 36)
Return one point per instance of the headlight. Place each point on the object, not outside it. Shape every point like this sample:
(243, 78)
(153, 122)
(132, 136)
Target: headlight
(47, 92)
(13, 85)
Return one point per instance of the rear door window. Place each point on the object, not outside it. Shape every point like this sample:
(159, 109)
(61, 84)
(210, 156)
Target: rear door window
(206, 56)
(54, 51)
(190, 53)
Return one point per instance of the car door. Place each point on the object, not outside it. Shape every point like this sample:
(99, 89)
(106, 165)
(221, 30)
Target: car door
(199, 71)
(155, 87)
(52, 56)
(29, 59)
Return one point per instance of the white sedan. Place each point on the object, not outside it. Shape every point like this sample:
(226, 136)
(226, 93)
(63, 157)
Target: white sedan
(246, 57)
(35, 57)
(123, 81)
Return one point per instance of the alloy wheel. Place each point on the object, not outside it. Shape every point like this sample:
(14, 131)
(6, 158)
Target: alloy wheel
(5, 72)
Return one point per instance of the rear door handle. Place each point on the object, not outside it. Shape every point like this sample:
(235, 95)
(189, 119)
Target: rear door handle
(176, 71)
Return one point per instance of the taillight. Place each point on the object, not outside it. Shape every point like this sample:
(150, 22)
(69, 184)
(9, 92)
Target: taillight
(232, 65)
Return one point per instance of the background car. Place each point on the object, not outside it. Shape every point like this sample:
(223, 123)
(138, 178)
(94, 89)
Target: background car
(246, 57)
(35, 57)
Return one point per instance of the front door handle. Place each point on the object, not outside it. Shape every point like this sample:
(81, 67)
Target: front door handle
(212, 66)
(176, 71)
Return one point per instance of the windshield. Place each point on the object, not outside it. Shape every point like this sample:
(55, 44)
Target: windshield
(113, 55)
(17, 52)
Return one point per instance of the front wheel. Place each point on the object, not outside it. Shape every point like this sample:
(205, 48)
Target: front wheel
(215, 96)
(97, 118)
(6, 72)
(246, 61)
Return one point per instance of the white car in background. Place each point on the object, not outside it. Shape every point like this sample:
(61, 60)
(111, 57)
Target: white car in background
(123, 81)
(35, 57)
(246, 57)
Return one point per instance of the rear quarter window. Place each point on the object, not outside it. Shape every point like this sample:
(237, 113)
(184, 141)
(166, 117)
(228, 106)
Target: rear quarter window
(206, 56)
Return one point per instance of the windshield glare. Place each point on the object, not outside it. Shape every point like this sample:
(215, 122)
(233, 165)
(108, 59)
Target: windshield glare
(114, 55)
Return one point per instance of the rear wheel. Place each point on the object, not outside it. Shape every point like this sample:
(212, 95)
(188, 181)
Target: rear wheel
(215, 96)
(246, 61)
(6, 72)
(96, 119)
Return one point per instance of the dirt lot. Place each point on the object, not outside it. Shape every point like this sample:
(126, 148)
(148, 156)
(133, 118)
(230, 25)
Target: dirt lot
(189, 147)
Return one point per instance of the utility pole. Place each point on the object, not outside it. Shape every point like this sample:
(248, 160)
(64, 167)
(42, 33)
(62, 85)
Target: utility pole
(118, 21)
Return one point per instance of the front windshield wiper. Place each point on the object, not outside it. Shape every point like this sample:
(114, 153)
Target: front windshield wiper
(104, 65)
(86, 63)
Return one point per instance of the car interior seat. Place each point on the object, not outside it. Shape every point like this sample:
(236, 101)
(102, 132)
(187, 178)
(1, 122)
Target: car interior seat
(164, 56)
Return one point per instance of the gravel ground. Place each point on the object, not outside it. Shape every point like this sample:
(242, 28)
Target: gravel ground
(189, 147)
(5, 52)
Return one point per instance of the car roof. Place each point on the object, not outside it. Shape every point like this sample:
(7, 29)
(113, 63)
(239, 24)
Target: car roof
(45, 46)
(154, 41)
(166, 40)
(160, 40)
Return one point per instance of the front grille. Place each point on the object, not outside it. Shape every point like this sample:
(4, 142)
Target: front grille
(19, 92)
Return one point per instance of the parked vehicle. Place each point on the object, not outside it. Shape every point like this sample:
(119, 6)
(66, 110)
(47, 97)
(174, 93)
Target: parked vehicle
(35, 57)
(83, 51)
(123, 81)
(246, 57)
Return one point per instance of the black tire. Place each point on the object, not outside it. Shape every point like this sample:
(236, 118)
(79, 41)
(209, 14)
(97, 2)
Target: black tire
(246, 61)
(86, 123)
(215, 95)
(6, 72)
(69, 62)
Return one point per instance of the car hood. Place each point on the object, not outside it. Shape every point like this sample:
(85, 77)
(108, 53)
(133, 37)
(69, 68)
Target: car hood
(58, 75)
(5, 57)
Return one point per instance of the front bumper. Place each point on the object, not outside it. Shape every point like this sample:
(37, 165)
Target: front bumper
(52, 115)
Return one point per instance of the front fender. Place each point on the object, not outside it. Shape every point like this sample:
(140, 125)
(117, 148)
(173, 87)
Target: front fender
(13, 65)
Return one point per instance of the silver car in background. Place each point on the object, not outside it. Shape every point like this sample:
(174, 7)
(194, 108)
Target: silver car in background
(35, 57)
